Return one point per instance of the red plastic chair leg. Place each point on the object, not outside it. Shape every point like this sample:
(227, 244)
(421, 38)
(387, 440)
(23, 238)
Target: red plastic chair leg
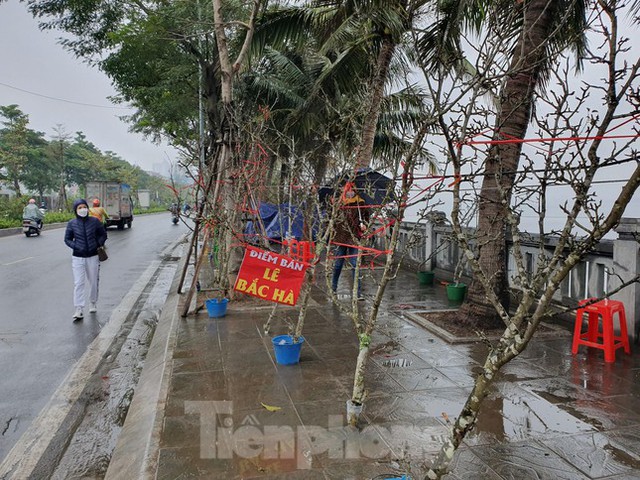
(577, 330)
(622, 318)
(607, 337)
(592, 331)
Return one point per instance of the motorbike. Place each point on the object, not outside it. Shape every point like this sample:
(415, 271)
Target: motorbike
(31, 227)
(175, 214)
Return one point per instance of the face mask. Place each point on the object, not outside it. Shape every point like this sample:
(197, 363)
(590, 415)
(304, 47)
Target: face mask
(82, 212)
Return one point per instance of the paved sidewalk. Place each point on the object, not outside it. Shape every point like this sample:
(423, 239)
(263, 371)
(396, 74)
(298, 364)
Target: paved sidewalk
(198, 411)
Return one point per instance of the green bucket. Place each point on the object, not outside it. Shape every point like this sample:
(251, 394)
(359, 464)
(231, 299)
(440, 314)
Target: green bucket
(426, 278)
(456, 291)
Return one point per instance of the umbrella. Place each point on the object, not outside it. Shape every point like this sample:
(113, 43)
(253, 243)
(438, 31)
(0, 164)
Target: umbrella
(372, 186)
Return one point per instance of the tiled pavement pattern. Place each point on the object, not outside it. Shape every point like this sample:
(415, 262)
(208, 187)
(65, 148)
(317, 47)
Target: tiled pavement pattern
(550, 415)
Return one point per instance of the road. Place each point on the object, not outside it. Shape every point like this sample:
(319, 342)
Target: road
(39, 342)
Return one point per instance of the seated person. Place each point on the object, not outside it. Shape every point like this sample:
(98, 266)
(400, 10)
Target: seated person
(99, 212)
(32, 212)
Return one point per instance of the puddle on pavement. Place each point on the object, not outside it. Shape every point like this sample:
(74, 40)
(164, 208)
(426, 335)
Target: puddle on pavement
(625, 458)
(514, 414)
(12, 337)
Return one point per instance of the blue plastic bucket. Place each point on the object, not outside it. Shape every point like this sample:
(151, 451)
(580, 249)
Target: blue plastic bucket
(287, 352)
(216, 307)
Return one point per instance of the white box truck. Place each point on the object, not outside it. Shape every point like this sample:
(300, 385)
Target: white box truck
(115, 198)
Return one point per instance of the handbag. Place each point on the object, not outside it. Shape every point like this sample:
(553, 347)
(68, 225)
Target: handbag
(102, 254)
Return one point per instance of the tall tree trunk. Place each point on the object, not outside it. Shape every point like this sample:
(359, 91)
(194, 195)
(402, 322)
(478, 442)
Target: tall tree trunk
(516, 104)
(16, 187)
(62, 197)
(228, 130)
(365, 152)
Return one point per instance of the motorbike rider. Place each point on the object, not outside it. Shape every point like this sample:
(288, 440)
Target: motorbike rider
(175, 212)
(32, 212)
(99, 212)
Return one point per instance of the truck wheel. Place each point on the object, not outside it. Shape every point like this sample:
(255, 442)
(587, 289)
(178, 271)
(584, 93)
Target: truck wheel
(129, 223)
(121, 225)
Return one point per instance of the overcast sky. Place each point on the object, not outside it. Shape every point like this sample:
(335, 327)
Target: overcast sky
(53, 87)
(65, 91)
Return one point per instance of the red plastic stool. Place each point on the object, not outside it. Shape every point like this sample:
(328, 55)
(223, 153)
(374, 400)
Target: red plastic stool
(300, 250)
(610, 342)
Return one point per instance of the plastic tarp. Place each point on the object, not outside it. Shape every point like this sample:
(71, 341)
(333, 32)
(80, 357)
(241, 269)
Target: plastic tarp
(276, 220)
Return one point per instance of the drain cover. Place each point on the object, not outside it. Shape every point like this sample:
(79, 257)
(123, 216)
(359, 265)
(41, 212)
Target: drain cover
(397, 362)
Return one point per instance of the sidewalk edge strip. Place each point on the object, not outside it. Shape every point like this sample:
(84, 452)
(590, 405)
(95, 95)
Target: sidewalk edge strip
(137, 448)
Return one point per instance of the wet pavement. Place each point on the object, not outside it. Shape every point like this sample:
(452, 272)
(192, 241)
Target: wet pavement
(229, 411)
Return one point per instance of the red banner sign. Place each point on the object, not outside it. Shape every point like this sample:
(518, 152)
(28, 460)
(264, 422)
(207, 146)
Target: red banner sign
(270, 276)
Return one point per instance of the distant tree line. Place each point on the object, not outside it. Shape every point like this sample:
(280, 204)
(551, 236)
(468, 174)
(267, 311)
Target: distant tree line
(33, 164)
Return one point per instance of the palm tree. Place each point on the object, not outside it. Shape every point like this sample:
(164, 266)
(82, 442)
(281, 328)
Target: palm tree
(314, 99)
(543, 29)
(322, 86)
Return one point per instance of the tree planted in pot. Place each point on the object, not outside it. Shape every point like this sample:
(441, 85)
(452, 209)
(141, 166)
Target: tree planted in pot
(291, 343)
(426, 277)
(287, 348)
(457, 289)
(364, 315)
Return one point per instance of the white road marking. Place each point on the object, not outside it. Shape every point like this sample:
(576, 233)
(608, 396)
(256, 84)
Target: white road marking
(17, 261)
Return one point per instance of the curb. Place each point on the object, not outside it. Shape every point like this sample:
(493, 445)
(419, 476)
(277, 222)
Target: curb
(7, 232)
(137, 449)
(450, 338)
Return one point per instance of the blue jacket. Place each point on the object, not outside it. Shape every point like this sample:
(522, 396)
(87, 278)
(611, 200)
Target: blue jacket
(84, 235)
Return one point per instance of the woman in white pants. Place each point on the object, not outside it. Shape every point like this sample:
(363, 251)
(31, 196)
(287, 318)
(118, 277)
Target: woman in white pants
(84, 235)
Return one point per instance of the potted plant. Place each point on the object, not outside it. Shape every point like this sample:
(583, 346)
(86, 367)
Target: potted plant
(216, 307)
(287, 348)
(426, 277)
(457, 290)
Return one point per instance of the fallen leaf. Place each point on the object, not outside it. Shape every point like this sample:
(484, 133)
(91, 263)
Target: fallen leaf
(270, 408)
